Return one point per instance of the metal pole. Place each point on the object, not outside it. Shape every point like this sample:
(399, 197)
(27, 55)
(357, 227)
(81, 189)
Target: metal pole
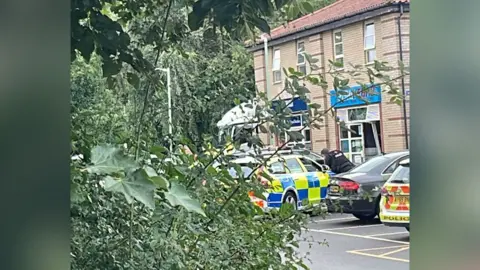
(170, 121)
(267, 78)
(405, 123)
(267, 73)
(169, 97)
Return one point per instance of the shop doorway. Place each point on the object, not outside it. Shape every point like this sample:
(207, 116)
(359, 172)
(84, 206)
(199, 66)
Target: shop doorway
(360, 141)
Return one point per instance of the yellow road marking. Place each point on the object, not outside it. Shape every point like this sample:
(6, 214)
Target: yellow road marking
(378, 256)
(358, 236)
(394, 251)
(384, 255)
(380, 248)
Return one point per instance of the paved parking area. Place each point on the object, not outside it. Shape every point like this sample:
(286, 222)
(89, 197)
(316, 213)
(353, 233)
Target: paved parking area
(342, 242)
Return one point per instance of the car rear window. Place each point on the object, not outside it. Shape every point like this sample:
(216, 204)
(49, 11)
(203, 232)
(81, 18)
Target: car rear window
(401, 175)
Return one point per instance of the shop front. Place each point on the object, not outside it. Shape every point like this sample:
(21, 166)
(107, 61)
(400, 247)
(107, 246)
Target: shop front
(297, 118)
(359, 136)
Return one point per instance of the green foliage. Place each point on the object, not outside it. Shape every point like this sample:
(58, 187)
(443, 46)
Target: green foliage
(175, 210)
(177, 195)
(107, 159)
(295, 9)
(118, 30)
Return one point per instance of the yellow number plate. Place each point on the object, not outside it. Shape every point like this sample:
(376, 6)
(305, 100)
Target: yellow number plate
(334, 189)
(402, 200)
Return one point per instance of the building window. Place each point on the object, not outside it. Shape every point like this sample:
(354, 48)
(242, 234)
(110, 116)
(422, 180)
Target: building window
(297, 122)
(370, 52)
(301, 64)
(276, 68)
(338, 47)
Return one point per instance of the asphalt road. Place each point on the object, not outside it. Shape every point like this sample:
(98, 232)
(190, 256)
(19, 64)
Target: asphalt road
(354, 245)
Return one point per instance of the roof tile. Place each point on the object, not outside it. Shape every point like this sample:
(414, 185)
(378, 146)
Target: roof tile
(337, 10)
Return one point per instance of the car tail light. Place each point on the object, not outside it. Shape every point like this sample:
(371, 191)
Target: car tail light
(384, 191)
(349, 185)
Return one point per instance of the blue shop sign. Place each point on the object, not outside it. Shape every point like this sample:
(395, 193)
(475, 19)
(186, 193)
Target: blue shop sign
(374, 95)
(296, 121)
(297, 105)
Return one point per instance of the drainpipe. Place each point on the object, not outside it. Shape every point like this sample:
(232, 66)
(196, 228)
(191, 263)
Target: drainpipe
(267, 77)
(403, 79)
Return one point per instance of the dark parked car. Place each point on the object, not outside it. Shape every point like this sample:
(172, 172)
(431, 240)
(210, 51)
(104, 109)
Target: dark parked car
(357, 191)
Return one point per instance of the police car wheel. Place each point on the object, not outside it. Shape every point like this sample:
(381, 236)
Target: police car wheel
(291, 198)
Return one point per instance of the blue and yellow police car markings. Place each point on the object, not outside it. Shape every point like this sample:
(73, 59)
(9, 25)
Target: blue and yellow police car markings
(324, 181)
(301, 184)
(313, 188)
(287, 181)
(309, 186)
(275, 196)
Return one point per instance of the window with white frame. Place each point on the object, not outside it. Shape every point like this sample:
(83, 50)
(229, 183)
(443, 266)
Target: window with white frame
(369, 40)
(298, 123)
(276, 67)
(301, 64)
(338, 47)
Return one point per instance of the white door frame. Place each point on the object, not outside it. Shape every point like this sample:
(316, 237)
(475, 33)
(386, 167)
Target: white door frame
(350, 138)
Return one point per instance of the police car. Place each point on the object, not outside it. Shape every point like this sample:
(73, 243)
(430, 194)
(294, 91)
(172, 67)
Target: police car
(293, 179)
(395, 200)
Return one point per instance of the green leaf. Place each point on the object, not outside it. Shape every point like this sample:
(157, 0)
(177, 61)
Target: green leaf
(302, 90)
(86, 45)
(262, 25)
(263, 129)
(108, 159)
(160, 182)
(110, 67)
(136, 186)
(295, 135)
(211, 170)
(279, 3)
(259, 194)
(336, 64)
(310, 59)
(159, 151)
(177, 195)
(74, 193)
(307, 7)
(133, 79)
(150, 171)
(292, 12)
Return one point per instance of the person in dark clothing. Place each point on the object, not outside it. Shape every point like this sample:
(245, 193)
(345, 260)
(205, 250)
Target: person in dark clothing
(337, 161)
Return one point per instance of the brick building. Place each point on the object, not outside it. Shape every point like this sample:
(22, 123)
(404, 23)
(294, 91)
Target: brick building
(348, 31)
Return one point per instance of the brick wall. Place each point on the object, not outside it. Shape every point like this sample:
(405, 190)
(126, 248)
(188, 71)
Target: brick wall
(392, 114)
(321, 46)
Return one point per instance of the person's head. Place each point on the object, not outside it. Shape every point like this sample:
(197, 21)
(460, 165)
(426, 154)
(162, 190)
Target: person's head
(325, 151)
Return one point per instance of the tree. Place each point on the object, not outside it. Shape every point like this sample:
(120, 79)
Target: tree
(174, 210)
(103, 26)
